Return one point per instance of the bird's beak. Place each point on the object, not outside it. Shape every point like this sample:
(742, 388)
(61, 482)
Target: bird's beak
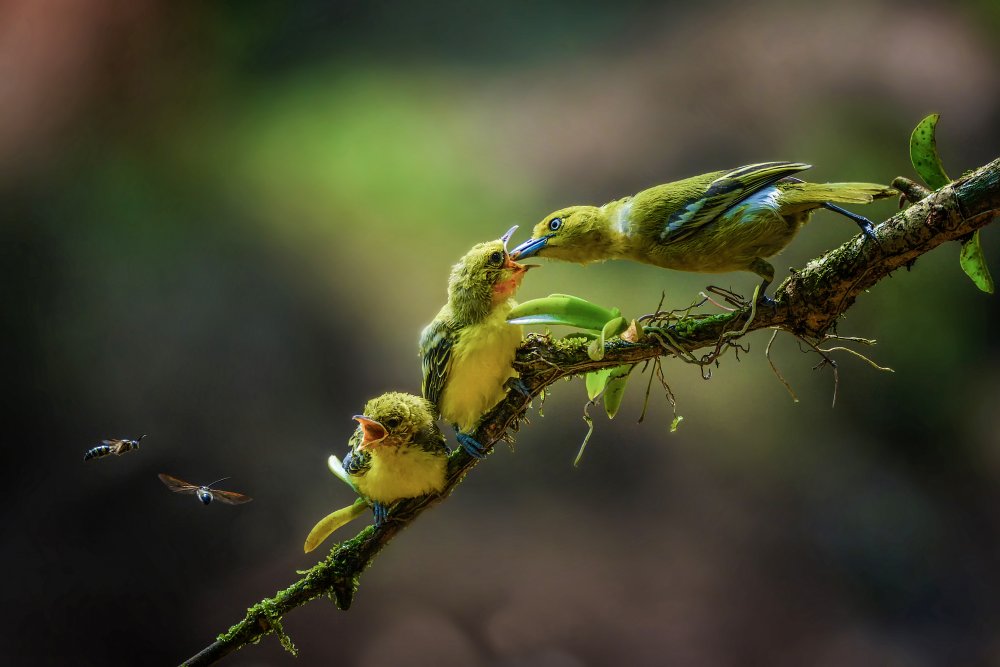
(510, 263)
(518, 269)
(506, 237)
(530, 247)
(374, 432)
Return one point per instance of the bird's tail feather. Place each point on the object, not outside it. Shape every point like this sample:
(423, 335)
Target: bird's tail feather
(840, 193)
(332, 522)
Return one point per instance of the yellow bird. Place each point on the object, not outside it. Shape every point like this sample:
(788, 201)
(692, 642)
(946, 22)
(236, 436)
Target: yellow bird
(396, 452)
(468, 350)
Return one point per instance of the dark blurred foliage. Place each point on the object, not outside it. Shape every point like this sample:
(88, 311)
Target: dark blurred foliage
(224, 226)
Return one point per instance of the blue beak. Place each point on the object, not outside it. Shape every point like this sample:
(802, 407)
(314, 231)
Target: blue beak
(530, 247)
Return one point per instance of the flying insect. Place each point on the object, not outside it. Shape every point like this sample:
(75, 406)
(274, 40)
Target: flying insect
(115, 447)
(205, 493)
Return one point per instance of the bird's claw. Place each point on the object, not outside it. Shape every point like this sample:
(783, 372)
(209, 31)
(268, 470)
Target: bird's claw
(518, 385)
(766, 301)
(381, 512)
(470, 445)
(868, 229)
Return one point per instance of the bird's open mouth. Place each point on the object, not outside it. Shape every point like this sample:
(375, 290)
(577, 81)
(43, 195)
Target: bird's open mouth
(518, 269)
(374, 432)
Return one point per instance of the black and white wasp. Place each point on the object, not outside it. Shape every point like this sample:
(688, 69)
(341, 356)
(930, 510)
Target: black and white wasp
(112, 448)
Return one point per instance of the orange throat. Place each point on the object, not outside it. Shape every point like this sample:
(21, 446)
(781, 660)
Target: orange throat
(505, 289)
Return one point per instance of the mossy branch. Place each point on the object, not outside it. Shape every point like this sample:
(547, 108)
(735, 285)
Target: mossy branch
(808, 304)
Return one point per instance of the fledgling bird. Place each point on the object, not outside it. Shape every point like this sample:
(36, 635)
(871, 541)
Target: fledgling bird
(115, 447)
(397, 452)
(713, 223)
(467, 351)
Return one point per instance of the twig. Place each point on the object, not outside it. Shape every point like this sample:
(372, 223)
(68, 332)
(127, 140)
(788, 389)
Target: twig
(859, 356)
(777, 373)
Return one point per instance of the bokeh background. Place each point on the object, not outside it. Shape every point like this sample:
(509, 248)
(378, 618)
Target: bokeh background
(224, 225)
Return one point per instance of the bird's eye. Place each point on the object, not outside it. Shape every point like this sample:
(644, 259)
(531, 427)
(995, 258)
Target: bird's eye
(496, 258)
(555, 224)
(392, 423)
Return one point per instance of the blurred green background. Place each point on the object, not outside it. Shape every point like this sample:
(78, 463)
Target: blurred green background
(225, 226)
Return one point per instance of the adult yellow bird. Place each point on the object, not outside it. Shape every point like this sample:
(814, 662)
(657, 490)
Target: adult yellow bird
(721, 221)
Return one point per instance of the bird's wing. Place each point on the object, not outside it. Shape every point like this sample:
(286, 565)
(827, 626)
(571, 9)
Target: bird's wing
(357, 462)
(722, 194)
(433, 441)
(436, 343)
(440, 443)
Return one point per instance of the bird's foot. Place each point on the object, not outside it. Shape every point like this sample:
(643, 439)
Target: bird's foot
(381, 512)
(470, 445)
(518, 385)
(765, 300)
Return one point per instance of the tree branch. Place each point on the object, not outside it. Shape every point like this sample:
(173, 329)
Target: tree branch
(808, 304)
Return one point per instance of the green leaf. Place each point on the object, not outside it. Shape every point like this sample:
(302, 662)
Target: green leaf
(564, 309)
(927, 163)
(553, 318)
(573, 311)
(596, 381)
(610, 329)
(974, 263)
(337, 468)
(614, 390)
(924, 155)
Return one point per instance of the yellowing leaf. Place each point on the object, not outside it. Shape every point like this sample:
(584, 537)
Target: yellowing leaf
(633, 334)
(332, 522)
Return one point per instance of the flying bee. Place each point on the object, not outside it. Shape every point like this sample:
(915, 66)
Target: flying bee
(205, 492)
(112, 448)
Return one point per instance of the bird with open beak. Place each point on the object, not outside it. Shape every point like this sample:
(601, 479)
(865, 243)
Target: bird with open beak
(396, 452)
(468, 350)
